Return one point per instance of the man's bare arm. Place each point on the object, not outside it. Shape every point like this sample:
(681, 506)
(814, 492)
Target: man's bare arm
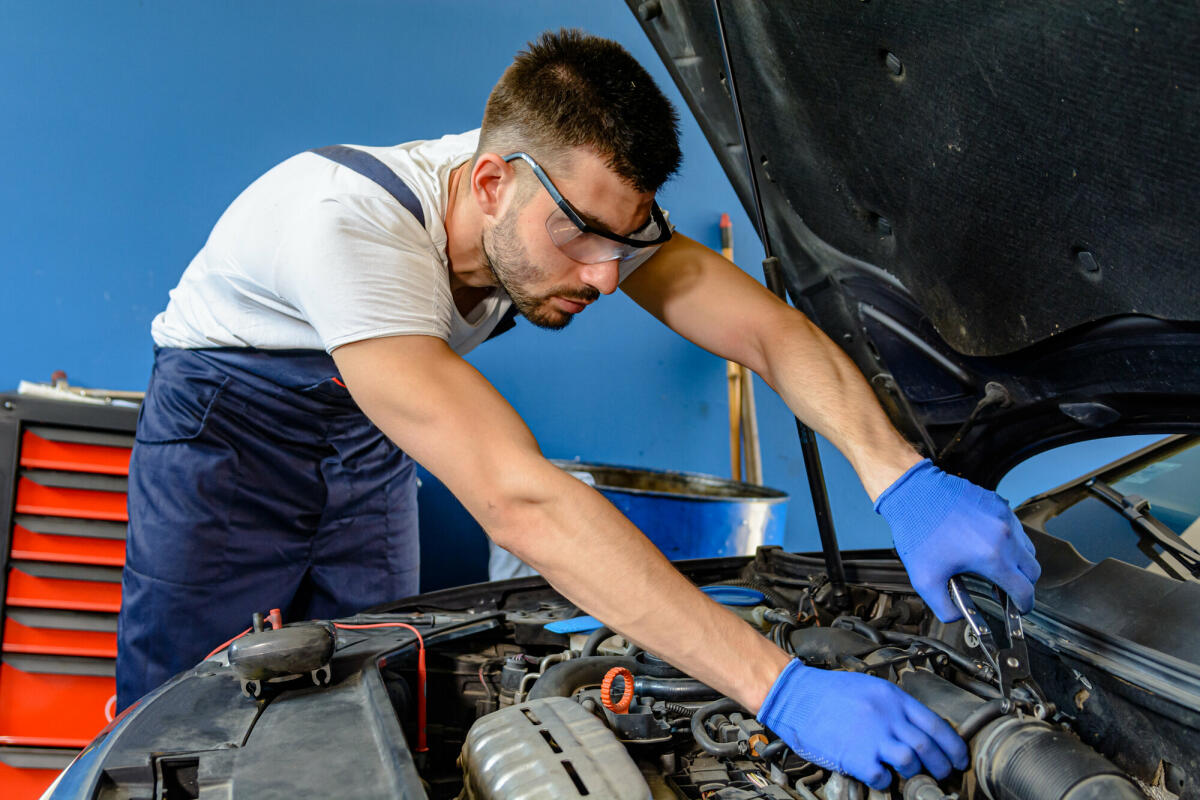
(443, 413)
(712, 303)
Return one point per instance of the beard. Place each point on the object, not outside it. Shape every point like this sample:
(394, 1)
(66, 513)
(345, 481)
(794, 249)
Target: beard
(508, 261)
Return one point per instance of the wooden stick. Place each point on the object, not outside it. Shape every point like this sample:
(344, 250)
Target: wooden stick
(743, 421)
(733, 374)
(750, 430)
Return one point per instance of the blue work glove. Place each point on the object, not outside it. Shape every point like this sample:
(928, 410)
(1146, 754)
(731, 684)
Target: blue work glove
(943, 525)
(859, 725)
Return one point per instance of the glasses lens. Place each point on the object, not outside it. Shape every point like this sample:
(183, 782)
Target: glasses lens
(561, 229)
(648, 232)
(589, 248)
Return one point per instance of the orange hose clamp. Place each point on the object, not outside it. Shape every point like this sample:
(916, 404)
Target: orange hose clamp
(622, 705)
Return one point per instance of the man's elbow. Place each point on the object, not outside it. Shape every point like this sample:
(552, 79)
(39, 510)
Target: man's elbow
(517, 513)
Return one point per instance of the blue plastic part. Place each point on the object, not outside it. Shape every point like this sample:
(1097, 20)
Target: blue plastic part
(574, 625)
(734, 595)
(725, 595)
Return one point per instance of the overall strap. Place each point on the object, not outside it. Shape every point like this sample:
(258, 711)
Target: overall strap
(506, 323)
(375, 170)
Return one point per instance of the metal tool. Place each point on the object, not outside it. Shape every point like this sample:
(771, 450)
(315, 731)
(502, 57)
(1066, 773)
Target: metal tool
(1011, 662)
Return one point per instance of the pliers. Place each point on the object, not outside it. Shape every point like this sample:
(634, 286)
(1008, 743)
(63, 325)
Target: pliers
(1010, 662)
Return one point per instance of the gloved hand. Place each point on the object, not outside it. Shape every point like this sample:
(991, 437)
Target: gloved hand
(943, 525)
(858, 724)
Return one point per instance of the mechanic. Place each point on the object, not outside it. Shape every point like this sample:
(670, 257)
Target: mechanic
(313, 348)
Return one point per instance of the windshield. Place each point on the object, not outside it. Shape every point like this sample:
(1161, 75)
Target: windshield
(1168, 484)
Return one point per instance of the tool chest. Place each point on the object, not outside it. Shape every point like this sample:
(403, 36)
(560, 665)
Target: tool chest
(63, 477)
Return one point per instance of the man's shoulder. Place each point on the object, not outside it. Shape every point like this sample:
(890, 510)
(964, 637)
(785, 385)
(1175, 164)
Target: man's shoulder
(428, 157)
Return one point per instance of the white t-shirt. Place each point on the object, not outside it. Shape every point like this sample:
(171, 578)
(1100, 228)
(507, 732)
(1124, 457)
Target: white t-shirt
(313, 255)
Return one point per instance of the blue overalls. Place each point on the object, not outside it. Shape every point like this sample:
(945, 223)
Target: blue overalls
(257, 483)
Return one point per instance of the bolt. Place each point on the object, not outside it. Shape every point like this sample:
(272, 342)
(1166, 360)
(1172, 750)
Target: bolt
(8, 405)
(893, 63)
(1012, 662)
(883, 226)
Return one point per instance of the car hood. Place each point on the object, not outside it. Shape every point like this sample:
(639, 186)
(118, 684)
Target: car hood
(990, 206)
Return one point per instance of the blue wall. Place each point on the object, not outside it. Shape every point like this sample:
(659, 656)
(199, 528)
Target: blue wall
(127, 128)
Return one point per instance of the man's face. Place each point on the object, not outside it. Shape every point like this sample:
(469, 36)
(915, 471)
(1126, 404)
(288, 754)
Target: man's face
(547, 286)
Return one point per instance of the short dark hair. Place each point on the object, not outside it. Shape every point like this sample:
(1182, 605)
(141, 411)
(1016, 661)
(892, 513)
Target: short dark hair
(570, 89)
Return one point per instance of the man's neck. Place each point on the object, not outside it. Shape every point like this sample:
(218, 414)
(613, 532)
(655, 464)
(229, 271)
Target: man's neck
(464, 229)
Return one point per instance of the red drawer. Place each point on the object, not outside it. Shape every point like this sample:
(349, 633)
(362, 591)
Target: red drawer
(32, 546)
(48, 710)
(20, 638)
(75, 595)
(33, 498)
(40, 453)
(23, 783)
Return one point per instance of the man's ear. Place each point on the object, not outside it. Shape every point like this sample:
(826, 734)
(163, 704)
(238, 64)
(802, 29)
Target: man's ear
(493, 184)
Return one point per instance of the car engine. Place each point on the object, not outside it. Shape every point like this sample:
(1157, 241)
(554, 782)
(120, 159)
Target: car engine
(603, 718)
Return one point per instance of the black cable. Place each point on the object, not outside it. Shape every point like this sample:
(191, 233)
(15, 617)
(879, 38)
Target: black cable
(680, 709)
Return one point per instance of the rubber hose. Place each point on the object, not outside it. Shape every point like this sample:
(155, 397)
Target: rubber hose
(655, 667)
(772, 750)
(975, 686)
(981, 716)
(773, 598)
(959, 658)
(858, 626)
(564, 678)
(673, 688)
(720, 749)
(593, 641)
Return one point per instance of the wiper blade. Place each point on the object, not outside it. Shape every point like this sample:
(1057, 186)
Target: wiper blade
(1150, 530)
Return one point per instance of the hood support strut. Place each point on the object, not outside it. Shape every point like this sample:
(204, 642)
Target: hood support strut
(774, 281)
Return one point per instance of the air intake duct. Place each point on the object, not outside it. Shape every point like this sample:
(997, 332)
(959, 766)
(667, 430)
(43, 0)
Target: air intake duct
(1024, 759)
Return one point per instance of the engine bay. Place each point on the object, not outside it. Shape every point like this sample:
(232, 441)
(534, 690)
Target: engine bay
(524, 716)
(502, 690)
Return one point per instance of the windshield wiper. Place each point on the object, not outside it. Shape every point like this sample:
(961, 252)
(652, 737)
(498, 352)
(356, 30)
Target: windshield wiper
(1150, 530)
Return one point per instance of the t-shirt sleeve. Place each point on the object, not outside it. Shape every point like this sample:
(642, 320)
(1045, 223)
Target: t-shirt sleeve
(626, 268)
(359, 268)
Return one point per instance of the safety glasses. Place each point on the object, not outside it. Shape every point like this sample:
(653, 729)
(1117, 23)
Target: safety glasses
(585, 243)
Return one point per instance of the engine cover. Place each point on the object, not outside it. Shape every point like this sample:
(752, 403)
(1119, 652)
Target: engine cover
(549, 748)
